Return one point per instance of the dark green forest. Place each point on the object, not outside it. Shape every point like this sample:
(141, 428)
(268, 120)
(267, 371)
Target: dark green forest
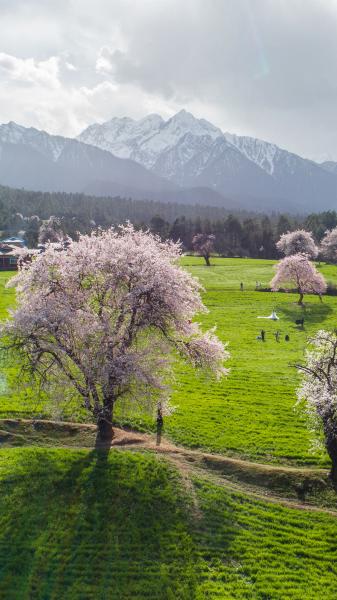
(237, 233)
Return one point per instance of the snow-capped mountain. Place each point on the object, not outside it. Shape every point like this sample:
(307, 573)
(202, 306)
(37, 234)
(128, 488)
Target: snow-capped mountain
(185, 150)
(49, 145)
(36, 160)
(182, 159)
(147, 139)
(261, 153)
(329, 165)
(193, 152)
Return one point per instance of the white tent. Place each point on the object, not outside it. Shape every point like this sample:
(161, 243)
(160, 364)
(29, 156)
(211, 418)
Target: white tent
(273, 317)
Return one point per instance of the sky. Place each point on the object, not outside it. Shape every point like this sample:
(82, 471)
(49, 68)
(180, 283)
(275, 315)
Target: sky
(264, 68)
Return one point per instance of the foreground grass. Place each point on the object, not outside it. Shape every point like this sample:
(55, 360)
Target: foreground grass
(252, 412)
(81, 524)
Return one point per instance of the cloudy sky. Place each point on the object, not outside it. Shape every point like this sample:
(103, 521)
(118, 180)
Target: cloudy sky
(266, 68)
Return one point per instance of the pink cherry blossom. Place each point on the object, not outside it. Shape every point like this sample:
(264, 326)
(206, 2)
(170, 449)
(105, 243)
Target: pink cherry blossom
(107, 315)
(203, 244)
(298, 272)
(297, 242)
(318, 390)
(329, 245)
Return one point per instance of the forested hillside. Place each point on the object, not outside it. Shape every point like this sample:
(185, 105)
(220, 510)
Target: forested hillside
(237, 233)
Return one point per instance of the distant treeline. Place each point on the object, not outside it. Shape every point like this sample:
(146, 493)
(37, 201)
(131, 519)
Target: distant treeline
(237, 233)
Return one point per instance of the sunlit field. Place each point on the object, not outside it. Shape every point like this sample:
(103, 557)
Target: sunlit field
(252, 413)
(80, 524)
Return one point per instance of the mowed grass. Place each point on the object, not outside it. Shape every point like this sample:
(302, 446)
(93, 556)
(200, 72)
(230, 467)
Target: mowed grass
(252, 413)
(14, 401)
(85, 525)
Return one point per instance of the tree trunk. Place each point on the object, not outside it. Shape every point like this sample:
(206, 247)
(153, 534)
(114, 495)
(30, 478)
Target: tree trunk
(207, 261)
(104, 422)
(300, 302)
(331, 446)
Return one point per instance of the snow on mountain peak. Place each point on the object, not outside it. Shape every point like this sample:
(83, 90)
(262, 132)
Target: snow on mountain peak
(12, 133)
(153, 120)
(145, 139)
(192, 151)
(189, 152)
(184, 122)
(260, 152)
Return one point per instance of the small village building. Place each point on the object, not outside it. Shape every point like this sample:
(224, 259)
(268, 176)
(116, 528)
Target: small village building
(8, 257)
(9, 252)
(18, 242)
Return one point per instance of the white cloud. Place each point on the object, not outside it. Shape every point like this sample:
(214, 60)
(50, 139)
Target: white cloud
(30, 71)
(70, 66)
(258, 67)
(104, 60)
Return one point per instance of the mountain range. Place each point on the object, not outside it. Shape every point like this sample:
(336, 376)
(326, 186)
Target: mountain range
(182, 159)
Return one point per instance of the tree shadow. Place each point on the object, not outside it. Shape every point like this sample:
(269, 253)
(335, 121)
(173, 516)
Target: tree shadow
(100, 523)
(310, 312)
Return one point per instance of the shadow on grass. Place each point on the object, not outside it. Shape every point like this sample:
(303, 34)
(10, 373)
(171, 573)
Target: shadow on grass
(93, 524)
(311, 312)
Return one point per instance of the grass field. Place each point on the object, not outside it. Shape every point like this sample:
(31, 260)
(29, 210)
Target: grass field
(122, 526)
(79, 524)
(252, 412)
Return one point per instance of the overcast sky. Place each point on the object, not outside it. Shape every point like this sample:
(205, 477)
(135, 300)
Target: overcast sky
(266, 68)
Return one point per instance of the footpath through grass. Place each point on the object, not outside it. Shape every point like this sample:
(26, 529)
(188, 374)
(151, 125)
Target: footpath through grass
(85, 525)
(252, 412)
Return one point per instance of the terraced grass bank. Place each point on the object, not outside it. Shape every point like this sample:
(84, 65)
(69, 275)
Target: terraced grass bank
(86, 525)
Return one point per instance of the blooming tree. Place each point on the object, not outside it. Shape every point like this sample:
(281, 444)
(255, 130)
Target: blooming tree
(51, 231)
(297, 242)
(319, 390)
(329, 245)
(299, 272)
(203, 244)
(107, 315)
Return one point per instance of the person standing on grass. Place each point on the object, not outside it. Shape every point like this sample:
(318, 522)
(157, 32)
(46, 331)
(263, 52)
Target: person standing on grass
(263, 335)
(160, 423)
(241, 286)
(277, 336)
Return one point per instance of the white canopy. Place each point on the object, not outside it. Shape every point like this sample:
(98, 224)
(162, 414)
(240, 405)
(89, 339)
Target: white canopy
(273, 317)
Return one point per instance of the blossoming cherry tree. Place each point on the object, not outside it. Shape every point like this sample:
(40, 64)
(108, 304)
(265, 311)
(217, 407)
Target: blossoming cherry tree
(107, 315)
(299, 272)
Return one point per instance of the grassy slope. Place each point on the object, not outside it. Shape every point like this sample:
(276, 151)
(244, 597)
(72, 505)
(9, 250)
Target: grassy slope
(251, 413)
(121, 527)
(78, 525)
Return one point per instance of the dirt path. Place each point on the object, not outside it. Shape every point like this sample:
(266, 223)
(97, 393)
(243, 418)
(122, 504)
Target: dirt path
(301, 488)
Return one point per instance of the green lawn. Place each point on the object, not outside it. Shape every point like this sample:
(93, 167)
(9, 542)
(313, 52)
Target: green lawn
(252, 412)
(81, 525)
(87, 525)
(13, 400)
